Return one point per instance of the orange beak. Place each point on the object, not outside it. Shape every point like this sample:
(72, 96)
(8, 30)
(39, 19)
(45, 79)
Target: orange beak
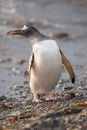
(14, 32)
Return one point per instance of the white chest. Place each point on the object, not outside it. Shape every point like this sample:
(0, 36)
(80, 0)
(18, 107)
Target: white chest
(46, 54)
(47, 63)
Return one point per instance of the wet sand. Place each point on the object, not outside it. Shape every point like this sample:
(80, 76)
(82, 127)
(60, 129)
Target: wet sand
(65, 21)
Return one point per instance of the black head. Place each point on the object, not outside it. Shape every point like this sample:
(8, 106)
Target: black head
(26, 30)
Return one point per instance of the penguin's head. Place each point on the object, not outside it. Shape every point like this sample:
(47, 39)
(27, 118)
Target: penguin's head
(26, 30)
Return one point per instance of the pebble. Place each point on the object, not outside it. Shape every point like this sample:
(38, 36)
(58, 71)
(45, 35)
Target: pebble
(85, 88)
(19, 62)
(62, 35)
(10, 100)
(14, 113)
(18, 87)
(3, 60)
(83, 83)
(24, 73)
(68, 88)
(25, 82)
(17, 104)
(20, 91)
(16, 71)
(23, 96)
(3, 97)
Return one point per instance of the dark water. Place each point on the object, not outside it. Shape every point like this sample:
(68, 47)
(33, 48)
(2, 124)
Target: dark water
(50, 16)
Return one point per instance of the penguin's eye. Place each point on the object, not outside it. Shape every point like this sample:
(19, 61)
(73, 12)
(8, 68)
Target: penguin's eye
(23, 31)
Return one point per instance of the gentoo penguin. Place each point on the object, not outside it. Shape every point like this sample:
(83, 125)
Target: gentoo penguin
(45, 64)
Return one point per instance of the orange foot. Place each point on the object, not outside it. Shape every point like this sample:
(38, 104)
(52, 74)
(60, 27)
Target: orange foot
(50, 97)
(36, 98)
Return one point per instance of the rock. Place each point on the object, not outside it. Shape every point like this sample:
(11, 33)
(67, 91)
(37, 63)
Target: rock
(23, 96)
(16, 71)
(3, 60)
(14, 113)
(20, 91)
(83, 83)
(3, 97)
(18, 104)
(25, 82)
(50, 122)
(68, 88)
(18, 87)
(19, 62)
(10, 100)
(24, 73)
(85, 88)
(62, 35)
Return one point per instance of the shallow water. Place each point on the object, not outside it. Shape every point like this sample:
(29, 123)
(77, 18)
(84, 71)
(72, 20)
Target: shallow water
(50, 17)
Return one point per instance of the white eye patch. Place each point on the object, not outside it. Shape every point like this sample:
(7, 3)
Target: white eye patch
(24, 27)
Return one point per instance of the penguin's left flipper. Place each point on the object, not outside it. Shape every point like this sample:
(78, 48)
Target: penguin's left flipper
(67, 66)
(31, 65)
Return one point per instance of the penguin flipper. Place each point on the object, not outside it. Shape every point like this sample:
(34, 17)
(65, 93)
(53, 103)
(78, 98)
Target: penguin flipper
(31, 65)
(67, 66)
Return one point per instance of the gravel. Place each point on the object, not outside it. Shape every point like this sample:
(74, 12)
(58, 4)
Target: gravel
(21, 113)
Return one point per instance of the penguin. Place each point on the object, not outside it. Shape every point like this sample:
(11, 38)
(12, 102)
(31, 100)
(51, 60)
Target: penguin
(45, 64)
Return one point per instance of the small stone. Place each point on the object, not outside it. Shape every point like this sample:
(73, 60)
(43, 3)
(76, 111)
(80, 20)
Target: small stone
(19, 62)
(20, 91)
(10, 100)
(25, 82)
(3, 97)
(62, 35)
(85, 88)
(16, 71)
(18, 87)
(83, 83)
(14, 113)
(68, 88)
(25, 72)
(18, 104)
(79, 87)
(3, 60)
(23, 96)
